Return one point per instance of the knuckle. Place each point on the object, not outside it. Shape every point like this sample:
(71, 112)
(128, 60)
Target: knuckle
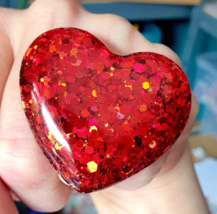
(115, 19)
(118, 24)
(119, 32)
(55, 6)
(44, 15)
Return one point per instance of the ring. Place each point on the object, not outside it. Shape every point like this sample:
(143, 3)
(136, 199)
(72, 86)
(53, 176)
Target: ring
(100, 117)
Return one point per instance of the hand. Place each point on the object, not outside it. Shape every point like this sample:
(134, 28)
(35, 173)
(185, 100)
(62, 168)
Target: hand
(24, 168)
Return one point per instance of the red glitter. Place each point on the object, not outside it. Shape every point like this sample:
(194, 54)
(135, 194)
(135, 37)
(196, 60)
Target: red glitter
(99, 117)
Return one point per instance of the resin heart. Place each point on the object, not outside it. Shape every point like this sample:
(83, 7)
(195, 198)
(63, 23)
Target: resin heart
(99, 117)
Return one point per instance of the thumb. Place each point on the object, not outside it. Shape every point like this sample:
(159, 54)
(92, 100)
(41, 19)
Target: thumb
(7, 205)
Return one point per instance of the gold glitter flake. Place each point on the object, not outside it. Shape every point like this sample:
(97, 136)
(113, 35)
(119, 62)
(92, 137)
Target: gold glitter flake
(68, 135)
(35, 47)
(92, 128)
(50, 138)
(143, 108)
(42, 79)
(28, 51)
(65, 94)
(145, 85)
(57, 147)
(112, 69)
(106, 125)
(52, 48)
(108, 156)
(94, 93)
(63, 84)
(117, 107)
(74, 52)
(24, 106)
(49, 135)
(130, 86)
(92, 166)
(60, 41)
(59, 82)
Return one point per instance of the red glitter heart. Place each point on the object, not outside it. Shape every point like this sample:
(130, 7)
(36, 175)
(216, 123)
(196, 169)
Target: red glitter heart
(99, 117)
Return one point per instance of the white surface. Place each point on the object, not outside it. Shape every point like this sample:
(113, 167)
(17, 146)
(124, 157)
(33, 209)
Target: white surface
(206, 171)
(211, 9)
(199, 153)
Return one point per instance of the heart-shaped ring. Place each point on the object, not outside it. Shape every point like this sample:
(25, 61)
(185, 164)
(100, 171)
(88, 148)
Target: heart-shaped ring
(99, 117)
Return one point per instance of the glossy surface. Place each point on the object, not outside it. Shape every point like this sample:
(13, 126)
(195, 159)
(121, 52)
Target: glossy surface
(99, 117)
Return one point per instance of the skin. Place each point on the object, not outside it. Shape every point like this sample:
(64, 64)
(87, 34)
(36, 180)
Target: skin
(167, 186)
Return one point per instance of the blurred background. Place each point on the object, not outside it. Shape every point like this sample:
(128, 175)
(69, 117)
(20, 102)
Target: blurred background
(188, 27)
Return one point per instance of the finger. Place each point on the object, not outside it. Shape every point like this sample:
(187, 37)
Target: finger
(7, 205)
(30, 176)
(6, 53)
